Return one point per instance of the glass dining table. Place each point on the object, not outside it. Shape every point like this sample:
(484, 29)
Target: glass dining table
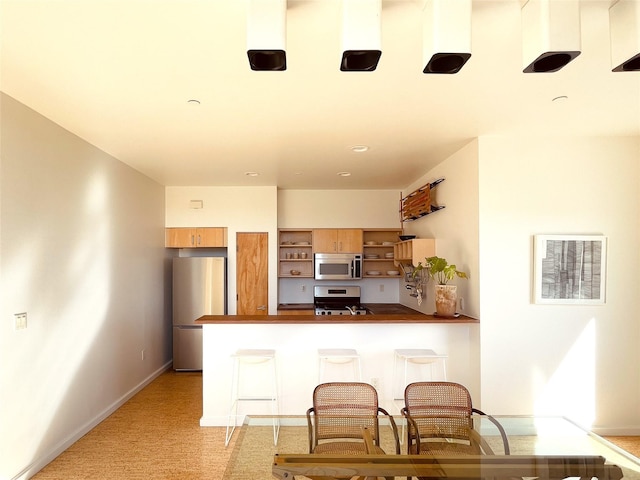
(544, 442)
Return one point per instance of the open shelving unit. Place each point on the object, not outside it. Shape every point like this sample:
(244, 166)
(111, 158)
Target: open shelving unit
(378, 254)
(295, 252)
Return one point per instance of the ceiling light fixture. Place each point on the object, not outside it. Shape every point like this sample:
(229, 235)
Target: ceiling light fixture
(251, 174)
(266, 35)
(550, 34)
(193, 101)
(344, 174)
(361, 45)
(446, 35)
(359, 148)
(624, 25)
(560, 99)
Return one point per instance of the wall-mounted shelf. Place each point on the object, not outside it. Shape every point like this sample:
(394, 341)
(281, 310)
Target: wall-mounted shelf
(411, 252)
(418, 203)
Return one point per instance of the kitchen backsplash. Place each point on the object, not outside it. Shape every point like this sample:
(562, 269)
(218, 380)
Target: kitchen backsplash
(300, 290)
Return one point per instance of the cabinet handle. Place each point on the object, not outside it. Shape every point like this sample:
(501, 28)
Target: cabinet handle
(193, 239)
(199, 240)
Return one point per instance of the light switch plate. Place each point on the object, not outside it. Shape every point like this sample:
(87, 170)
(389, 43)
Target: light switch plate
(20, 321)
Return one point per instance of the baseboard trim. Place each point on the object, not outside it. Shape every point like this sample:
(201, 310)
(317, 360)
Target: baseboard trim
(43, 460)
(631, 431)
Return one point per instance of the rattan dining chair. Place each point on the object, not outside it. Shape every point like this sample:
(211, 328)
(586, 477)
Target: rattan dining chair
(439, 421)
(340, 413)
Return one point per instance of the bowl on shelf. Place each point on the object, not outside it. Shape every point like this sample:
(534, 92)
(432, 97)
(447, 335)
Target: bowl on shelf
(406, 237)
(393, 272)
(371, 243)
(373, 272)
(294, 272)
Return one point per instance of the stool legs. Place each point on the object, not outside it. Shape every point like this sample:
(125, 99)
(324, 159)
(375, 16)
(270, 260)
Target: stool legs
(248, 357)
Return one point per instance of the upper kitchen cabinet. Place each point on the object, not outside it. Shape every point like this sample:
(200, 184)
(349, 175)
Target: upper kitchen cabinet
(196, 237)
(340, 240)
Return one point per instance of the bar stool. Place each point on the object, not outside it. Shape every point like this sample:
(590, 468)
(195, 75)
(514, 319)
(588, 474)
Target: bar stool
(243, 359)
(418, 356)
(339, 356)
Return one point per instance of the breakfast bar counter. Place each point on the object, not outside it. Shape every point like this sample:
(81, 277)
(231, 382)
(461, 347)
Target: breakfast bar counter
(329, 319)
(296, 340)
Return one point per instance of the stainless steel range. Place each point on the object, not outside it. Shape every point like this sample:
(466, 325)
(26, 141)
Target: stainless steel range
(337, 300)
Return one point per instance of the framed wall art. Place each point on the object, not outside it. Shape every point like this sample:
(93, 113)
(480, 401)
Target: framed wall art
(570, 269)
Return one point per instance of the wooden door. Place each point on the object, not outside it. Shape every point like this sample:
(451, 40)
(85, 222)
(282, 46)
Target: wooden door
(252, 267)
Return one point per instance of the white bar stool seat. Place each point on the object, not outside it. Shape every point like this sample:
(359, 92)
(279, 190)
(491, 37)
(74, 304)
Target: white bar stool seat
(244, 359)
(419, 356)
(338, 356)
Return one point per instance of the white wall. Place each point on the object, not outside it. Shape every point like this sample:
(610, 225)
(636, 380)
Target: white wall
(455, 228)
(82, 252)
(240, 209)
(338, 209)
(579, 361)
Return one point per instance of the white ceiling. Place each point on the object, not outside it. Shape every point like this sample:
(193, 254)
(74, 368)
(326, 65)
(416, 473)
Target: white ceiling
(120, 73)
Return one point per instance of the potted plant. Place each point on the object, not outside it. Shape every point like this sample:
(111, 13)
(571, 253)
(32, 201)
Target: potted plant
(442, 272)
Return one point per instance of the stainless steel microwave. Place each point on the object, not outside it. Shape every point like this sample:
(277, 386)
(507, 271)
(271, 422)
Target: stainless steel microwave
(338, 266)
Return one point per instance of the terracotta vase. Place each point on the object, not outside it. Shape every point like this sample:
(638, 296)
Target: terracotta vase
(446, 299)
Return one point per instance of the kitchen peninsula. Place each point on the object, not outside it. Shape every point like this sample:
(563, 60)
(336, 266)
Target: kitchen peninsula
(296, 339)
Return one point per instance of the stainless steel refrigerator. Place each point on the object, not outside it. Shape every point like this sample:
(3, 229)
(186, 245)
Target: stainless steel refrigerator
(199, 288)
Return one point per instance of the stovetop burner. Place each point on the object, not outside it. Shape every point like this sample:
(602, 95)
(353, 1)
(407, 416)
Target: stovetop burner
(332, 300)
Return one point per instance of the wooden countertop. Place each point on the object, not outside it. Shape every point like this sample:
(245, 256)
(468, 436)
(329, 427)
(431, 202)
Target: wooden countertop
(329, 319)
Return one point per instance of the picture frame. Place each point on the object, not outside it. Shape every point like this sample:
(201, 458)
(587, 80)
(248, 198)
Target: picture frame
(570, 269)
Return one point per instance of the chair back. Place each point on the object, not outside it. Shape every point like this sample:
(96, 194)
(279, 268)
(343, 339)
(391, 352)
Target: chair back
(437, 413)
(342, 409)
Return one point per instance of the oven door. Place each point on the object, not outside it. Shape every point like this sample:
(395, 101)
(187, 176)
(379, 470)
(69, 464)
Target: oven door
(330, 266)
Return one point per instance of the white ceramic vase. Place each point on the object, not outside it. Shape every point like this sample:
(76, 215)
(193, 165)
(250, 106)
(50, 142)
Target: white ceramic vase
(446, 298)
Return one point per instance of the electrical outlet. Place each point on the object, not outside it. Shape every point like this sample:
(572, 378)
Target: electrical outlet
(461, 304)
(303, 288)
(142, 354)
(20, 321)
(382, 287)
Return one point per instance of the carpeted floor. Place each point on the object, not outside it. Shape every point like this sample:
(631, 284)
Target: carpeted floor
(157, 435)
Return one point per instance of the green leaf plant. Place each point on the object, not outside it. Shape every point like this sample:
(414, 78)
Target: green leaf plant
(438, 269)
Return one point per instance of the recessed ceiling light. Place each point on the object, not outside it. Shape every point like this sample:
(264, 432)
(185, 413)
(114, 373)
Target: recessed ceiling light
(359, 148)
(251, 174)
(344, 174)
(193, 101)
